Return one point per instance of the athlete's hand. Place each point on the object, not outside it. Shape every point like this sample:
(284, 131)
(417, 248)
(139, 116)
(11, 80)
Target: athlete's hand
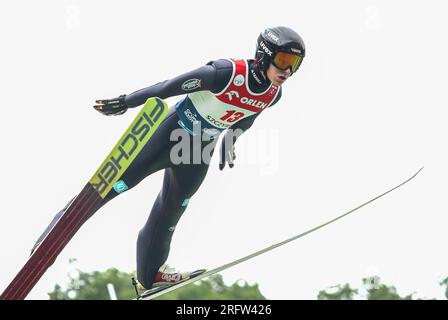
(227, 155)
(114, 107)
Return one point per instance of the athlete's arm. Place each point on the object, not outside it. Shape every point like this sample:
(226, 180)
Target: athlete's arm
(213, 77)
(227, 150)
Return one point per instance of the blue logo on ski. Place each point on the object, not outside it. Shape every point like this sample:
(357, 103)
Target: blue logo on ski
(120, 186)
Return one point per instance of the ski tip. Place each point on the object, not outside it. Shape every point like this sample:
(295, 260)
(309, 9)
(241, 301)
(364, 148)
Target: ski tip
(418, 171)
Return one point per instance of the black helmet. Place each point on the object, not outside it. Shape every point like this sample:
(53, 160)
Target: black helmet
(279, 39)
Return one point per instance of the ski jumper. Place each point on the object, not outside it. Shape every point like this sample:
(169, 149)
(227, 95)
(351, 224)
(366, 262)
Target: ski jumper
(222, 94)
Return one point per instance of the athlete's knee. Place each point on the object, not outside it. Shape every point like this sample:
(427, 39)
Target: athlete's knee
(177, 200)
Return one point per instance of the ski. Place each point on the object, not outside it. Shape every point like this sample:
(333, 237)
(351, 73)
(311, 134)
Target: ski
(85, 204)
(156, 293)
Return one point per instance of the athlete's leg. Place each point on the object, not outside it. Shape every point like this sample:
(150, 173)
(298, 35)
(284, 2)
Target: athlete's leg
(179, 185)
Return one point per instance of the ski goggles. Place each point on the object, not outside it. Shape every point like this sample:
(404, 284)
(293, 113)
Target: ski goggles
(284, 61)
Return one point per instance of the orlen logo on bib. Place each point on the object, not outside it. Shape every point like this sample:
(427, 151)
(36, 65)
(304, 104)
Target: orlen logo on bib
(231, 94)
(245, 100)
(254, 103)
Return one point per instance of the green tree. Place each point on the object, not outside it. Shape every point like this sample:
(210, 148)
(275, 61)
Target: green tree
(375, 291)
(338, 292)
(383, 292)
(93, 286)
(444, 282)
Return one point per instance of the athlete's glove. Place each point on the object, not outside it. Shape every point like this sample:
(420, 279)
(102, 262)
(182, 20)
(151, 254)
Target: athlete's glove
(114, 107)
(226, 155)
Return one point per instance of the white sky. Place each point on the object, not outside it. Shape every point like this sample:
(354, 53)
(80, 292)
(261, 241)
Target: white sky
(366, 110)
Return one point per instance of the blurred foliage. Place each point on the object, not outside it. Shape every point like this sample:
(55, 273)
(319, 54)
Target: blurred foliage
(444, 282)
(375, 290)
(93, 286)
(338, 293)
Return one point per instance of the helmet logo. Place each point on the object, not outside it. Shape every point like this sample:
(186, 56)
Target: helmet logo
(239, 80)
(273, 36)
(266, 49)
(231, 93)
